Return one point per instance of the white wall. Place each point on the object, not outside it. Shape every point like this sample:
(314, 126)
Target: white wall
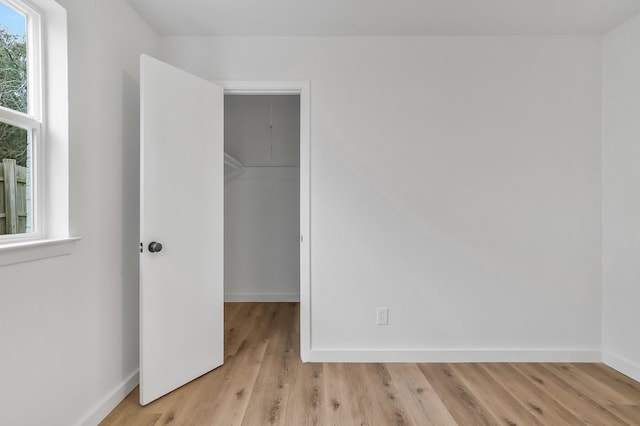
(621, 198)
(454, 180)
(69, 325)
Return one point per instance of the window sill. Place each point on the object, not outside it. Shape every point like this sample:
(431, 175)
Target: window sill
(27, 251)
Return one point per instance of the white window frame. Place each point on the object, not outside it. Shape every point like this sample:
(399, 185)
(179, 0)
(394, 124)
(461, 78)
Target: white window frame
(32, 119)
(47, 118)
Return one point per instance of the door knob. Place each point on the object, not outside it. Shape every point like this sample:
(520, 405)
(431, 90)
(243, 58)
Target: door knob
(155, 247)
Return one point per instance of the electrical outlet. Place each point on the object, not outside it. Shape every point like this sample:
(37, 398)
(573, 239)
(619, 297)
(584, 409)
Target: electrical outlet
(382, 315)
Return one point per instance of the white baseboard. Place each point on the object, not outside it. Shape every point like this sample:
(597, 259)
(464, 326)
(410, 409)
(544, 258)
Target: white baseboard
(453, 356)
(110, 402)
(625, 367)
(262, 297)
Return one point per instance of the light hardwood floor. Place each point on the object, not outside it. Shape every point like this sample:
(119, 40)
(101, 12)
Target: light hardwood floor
(263, 382)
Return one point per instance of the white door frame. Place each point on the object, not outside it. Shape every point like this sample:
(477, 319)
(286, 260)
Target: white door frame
(301, 88)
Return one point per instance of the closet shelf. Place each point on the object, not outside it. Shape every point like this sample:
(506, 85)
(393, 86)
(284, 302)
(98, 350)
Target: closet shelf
(232, 167)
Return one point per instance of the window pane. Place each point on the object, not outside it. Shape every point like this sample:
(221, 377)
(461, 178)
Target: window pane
(13, 59)
(15, 180)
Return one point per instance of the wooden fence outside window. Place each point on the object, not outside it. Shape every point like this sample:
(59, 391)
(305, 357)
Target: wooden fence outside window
(13, 198)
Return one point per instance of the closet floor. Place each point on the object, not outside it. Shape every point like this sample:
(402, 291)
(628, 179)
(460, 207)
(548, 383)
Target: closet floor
(263, 382)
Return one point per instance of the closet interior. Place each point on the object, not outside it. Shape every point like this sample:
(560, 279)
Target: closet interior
(262, 198)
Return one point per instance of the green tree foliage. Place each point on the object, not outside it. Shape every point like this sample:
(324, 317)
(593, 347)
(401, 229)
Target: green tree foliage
(13, 94)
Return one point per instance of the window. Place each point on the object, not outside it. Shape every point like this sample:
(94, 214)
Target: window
(20, 120)
(34, 116)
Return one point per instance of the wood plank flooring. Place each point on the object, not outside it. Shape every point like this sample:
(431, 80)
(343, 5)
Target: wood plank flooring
(263, 382)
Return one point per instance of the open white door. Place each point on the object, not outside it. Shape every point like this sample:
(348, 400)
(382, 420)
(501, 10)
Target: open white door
(181, 207)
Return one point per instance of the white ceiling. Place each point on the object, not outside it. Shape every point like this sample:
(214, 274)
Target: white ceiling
(383, 17)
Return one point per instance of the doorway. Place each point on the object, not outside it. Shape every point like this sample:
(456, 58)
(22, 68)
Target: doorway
(181, 267)
(266, 190)
(262, 198)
